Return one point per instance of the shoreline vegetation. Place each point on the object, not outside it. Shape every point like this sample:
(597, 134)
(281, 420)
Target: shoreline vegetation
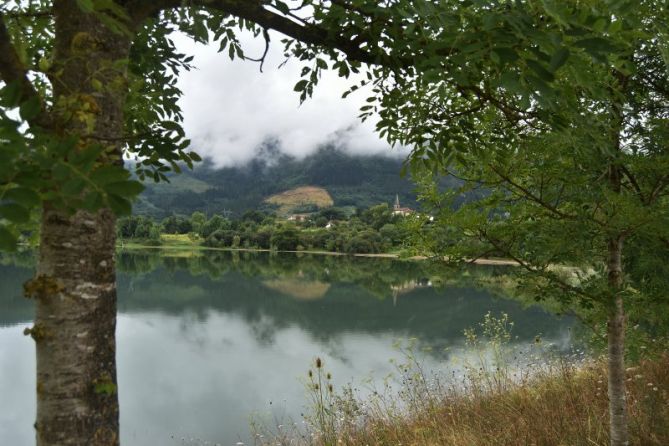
(492, 400)
(566, 405)
(380, 230)
(168, 244)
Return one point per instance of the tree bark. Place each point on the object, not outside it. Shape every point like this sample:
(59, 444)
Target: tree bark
(74, 330)
(75, 289)
(616, 348)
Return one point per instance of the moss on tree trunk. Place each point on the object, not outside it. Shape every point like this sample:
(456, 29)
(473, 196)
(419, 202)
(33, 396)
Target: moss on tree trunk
(75, 286)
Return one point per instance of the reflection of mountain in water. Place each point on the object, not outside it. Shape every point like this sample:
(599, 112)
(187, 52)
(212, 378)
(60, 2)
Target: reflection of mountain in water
(299, 288)
(324, 295)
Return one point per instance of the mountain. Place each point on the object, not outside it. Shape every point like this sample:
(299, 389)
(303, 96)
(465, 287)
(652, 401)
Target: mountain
(355, 181)
(303, 198)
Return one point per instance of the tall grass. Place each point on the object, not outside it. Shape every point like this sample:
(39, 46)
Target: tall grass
(492, 403)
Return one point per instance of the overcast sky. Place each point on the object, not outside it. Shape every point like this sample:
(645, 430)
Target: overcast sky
(231, 109)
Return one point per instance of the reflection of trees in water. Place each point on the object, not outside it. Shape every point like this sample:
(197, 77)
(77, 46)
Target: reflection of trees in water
(381, 277)
(325, 295)
(15, 308)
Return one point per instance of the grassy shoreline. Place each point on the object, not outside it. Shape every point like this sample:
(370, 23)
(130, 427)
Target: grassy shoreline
(561, 405)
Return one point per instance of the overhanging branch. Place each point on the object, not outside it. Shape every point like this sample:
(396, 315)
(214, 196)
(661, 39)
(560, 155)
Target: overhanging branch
(12, 71)
(254, 11)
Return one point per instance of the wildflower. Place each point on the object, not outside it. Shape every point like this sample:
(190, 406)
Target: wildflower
(319, 363)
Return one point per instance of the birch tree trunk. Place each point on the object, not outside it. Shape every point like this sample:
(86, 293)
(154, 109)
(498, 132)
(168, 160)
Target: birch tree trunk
(616, 348)
(75, 290)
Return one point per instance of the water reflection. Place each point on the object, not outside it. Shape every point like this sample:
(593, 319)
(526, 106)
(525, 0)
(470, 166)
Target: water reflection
(207, 340)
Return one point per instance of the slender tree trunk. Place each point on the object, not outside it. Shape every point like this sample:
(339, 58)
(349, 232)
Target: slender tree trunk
(75, 290)
(618, 431)
(616, 348)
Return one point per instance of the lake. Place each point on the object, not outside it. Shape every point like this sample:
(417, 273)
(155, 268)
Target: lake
(208, 341)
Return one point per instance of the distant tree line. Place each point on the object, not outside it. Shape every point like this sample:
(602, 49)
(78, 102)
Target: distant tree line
(372, 230)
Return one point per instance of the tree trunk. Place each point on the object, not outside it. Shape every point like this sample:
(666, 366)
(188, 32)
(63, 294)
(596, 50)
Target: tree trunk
(74, 330)
(616, 348)
(75, 289)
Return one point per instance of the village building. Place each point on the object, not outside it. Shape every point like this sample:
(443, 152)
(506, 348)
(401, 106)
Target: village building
(399, 210)
(299, 217)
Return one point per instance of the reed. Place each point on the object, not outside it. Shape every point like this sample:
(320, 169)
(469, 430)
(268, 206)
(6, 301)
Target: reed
(561, 402)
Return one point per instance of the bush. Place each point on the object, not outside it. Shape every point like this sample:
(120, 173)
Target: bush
(214, 224)
(285, 239)
(177, 224)
(261, 238)
(364, 242)
(220, 239)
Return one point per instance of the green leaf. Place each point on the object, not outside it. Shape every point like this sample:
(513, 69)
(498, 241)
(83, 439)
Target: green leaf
(543, 73)
(282, 7)
(73, 187)
(109, 174)
(30, 108)
(559, 58)
(14, 212)
(23, 196)
(11, 94)
(472, 47)
(86, 5)
(92, 201)
(124, 188)
(596, 45)
(114, 25)
(7, 240)
(511, 82)
(301, 85)
(44, 64)
(97, 85)
(119, 205)
(61, 171)
(505, 55)
(113, 7)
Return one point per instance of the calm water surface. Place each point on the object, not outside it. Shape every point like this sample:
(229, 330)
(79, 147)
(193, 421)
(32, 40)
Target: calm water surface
(208, 341)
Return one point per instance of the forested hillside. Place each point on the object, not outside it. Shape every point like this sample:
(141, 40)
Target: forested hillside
(359, 181)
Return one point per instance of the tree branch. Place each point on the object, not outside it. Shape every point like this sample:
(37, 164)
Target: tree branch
(28, 14)
(633, 182)
(541, 272)
(254, 11)
(12, 71)
(261, 59)
(531, 196)
(661, 184)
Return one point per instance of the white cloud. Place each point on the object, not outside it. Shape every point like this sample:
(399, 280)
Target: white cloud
(231, 109)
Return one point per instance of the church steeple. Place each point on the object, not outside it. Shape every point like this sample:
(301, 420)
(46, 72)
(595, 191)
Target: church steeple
(397, 202)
